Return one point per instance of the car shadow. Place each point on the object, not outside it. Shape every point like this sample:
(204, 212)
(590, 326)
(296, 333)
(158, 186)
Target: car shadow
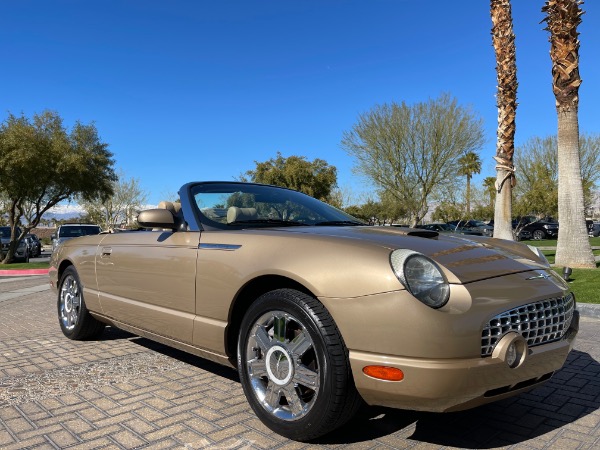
(188, 358)
(568, 396)
(572, 393)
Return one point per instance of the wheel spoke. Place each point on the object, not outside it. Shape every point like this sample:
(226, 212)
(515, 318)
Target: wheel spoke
(306, 377)
(262, 339)
(299, 345)
(272, 395)
(257, 367)
(279, 328)
(296, 405)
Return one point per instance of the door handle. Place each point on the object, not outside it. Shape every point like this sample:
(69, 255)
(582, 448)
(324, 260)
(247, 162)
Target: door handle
(106, 251)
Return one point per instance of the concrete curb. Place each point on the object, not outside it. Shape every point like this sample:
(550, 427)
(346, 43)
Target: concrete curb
(589, 309)
(23, 273)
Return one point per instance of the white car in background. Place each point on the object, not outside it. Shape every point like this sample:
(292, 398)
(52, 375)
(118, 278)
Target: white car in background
(73, 230)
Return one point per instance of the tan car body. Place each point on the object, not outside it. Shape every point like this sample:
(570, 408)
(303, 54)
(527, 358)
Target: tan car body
(189, 289)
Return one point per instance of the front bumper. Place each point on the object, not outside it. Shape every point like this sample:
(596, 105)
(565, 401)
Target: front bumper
(441, 385)
(440, 352)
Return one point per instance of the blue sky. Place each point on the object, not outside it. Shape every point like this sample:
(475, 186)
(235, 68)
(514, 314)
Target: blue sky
(199, 90)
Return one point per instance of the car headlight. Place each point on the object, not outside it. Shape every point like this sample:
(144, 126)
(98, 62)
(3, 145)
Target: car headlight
(421, 276)
(539, 254)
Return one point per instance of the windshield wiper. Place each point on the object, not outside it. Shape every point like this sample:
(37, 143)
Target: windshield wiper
(268, 221)
(337, 223)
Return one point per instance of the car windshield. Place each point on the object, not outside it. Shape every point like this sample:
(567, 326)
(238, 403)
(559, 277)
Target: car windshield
(5, 232)
(241, 205)
(78, 230)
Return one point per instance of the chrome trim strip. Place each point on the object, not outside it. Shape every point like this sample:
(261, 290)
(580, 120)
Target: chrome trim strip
(225, 247)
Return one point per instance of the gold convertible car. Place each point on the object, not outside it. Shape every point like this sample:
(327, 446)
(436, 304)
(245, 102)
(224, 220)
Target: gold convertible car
(319, 312)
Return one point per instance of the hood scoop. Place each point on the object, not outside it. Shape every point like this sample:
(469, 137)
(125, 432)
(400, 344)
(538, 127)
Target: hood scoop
(405, 231)
(423, 233)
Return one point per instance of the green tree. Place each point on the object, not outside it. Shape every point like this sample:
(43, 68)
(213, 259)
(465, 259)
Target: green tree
(411, 151)
(468, 165)
(447, 211)
(503, 40)
(120, 207)
(537, 160)
(316, 178)
(562, 19)
(75, 163)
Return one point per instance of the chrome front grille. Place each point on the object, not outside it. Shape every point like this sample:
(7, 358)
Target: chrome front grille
(539, 322)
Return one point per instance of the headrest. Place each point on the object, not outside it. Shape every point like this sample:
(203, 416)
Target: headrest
(235, 214)
(174, 207)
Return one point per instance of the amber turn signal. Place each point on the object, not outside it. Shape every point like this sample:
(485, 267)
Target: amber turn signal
(384, 373)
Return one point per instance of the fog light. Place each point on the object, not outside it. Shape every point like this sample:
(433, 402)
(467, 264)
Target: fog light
(512, 349)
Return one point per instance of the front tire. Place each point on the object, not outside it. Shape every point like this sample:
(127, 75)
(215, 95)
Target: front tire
(75, 320)
(538, 235)
(294, 366)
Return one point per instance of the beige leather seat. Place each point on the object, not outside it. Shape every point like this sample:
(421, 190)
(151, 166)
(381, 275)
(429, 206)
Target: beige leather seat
(235, 214)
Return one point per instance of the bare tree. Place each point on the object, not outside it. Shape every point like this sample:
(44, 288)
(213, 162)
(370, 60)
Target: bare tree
(119, 208)
(411, 152)
(562, 18)
(503, 40)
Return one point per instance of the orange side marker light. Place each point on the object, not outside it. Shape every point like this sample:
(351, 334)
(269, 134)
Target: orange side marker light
(384, 373)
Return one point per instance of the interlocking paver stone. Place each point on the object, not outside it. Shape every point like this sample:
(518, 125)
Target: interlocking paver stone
(123, 391)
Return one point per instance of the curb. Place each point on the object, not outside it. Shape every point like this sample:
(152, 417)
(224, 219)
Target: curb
(589, 309)
(23, 273)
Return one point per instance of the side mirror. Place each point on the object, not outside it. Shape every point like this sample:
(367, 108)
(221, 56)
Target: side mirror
(157, 218)
(53, 237)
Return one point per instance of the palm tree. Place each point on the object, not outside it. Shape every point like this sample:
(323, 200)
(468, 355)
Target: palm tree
(503, 39)
(489, 185)
(468, 165)
(562, 18)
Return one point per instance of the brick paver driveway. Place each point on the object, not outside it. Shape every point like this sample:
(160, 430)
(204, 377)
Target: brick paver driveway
(127, 392)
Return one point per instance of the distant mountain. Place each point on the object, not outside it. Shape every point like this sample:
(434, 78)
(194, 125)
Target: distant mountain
(63, 212)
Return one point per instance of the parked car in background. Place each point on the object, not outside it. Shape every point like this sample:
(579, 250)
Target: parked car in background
(593, 228)
(319, 311)
(473, 225)
(73, 230)
(442, 227)
(36, 247)
(539, 229)
(22, 252)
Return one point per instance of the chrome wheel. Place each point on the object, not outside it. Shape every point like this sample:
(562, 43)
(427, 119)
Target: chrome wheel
(69, 303)
(282, 365)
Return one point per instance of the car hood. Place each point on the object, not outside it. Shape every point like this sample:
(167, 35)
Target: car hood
(464, 258)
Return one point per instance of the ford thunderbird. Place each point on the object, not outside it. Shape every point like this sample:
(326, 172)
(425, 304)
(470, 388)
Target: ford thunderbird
(319, 312)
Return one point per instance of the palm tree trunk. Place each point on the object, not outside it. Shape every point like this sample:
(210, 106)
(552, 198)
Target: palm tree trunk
(468, 197)
(563, 17)
(573, 246)
(503, 39)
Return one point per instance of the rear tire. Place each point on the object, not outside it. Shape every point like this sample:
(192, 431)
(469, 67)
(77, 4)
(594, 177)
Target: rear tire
(294, 366)
(75, 320)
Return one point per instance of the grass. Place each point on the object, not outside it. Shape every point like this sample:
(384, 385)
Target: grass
(21, 266)
(594, 242)
(585, 283)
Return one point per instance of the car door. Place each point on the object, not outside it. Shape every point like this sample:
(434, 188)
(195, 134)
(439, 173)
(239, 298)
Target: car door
(147, 279)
